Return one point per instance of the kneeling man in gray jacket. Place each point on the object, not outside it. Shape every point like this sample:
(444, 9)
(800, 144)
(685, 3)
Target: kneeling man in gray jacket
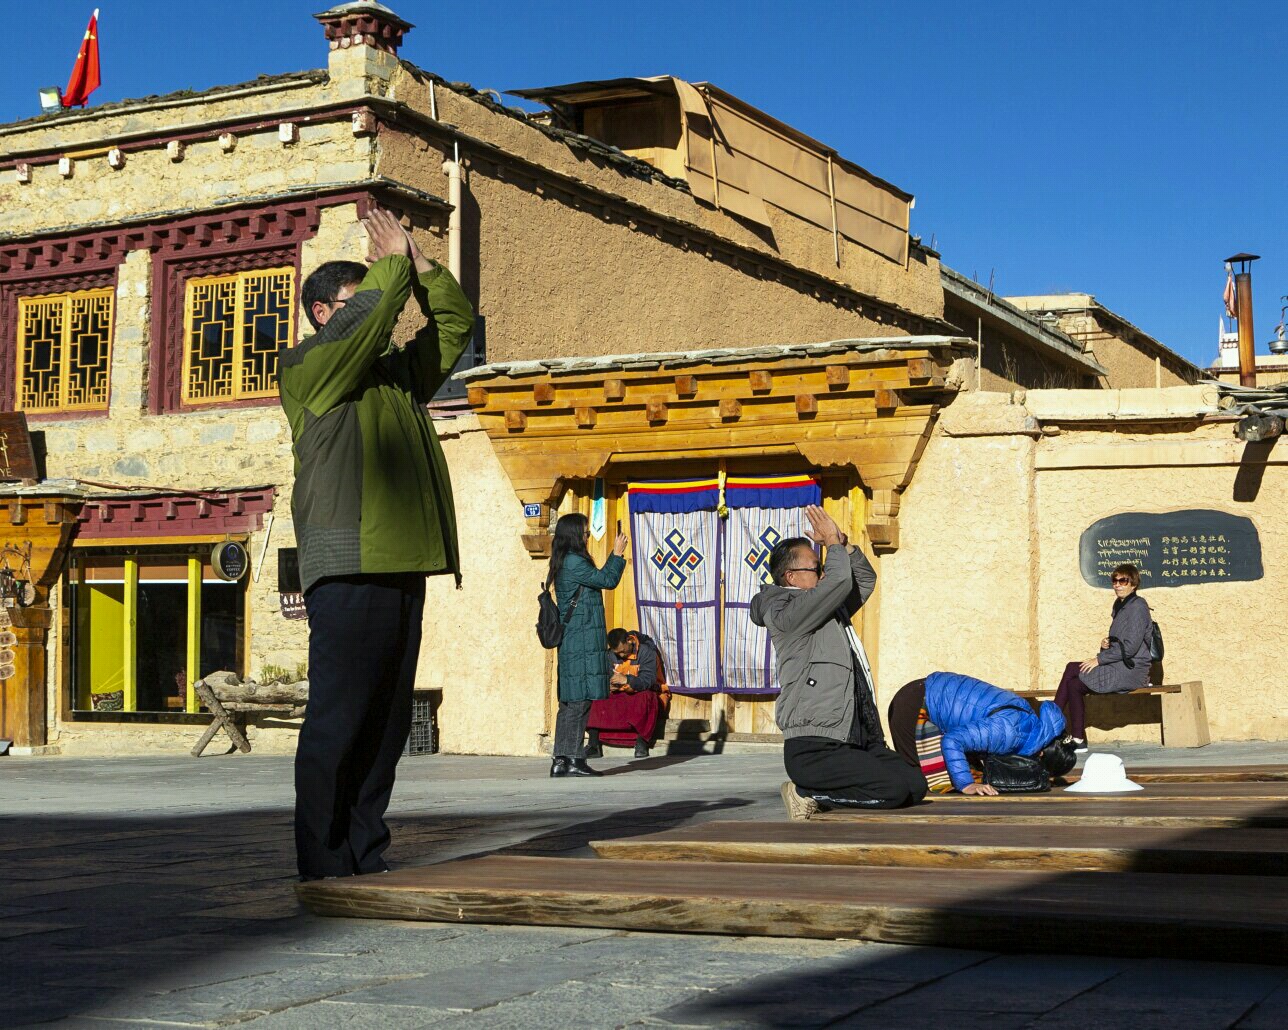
(834, 749)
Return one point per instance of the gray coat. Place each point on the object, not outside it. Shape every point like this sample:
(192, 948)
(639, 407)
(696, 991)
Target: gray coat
(816, 666)
(1132, 624)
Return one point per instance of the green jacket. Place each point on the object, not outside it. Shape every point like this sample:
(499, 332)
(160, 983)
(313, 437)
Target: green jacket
(584, 661)
(372, 493)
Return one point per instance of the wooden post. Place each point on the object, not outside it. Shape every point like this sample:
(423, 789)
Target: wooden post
(129, 648)
(191, 703)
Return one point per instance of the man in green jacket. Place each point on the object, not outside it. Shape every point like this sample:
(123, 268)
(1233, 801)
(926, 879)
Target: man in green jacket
(373, 515)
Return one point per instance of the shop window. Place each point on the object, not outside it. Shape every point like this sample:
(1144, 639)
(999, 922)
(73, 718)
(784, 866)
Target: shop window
(233, 327)
(64, 351)
(145, 627)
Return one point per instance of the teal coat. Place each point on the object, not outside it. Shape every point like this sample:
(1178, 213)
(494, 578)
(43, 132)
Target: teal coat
(584, 665)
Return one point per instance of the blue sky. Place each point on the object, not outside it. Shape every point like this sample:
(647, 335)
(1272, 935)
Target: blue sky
(1121, 149)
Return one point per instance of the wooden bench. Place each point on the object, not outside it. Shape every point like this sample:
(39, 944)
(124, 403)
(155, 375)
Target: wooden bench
(1185, 721)
(230, 701)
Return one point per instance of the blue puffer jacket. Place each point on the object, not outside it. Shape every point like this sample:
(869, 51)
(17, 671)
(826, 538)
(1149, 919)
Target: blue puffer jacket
(977, 717)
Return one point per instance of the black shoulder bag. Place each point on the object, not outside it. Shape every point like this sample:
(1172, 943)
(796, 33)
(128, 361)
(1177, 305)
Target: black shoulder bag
(550, 628)
(1015, 774)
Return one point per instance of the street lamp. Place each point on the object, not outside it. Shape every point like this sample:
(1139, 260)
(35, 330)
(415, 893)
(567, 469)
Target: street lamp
(1279, 345)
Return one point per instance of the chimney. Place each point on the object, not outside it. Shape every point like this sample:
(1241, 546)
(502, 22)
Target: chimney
(364, 38)
(1243, 307)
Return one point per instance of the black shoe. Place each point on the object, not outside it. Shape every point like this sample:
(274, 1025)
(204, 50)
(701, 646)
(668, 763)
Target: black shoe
(594, 750)
(641, 748)
(560, 767)
(580, 768)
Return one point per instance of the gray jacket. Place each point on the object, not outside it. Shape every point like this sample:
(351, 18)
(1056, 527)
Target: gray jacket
(1133, 624)
(816, 665)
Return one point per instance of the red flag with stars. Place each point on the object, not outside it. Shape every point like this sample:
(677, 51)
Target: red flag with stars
(85, 75)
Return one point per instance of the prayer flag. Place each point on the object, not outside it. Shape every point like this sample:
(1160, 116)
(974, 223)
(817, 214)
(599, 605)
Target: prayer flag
(85, 74)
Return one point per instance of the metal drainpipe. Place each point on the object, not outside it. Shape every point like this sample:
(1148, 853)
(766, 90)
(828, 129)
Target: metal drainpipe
(452, 169)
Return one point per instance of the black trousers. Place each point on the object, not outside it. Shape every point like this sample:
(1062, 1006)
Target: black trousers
(364, 640)
(570, 729)
(838, 774)
(902, 714)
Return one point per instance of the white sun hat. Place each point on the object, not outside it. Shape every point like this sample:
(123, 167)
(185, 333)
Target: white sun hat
(1104, 774)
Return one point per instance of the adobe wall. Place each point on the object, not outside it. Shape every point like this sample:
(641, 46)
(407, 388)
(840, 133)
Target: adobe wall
(1130, 365)
(916, 288)
(987, 581)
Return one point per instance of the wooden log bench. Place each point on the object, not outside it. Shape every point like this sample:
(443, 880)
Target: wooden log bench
(1185, 721)
(231, 701)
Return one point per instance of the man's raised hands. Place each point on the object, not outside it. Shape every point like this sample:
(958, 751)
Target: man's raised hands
(823, 528)
(385, 236)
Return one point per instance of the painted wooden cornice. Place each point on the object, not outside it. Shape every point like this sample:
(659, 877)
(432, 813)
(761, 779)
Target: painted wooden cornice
(852, 404)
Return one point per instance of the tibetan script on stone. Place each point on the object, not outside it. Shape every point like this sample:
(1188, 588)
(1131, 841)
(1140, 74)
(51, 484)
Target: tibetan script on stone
(1172, 549)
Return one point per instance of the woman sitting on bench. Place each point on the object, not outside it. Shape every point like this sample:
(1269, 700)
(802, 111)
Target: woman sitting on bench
(936, 722)
(1123, 662)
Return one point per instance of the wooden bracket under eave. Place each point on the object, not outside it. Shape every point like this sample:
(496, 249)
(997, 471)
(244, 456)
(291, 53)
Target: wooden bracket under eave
(686, 386)
(886, 400)
(537, 544)
(882, 521)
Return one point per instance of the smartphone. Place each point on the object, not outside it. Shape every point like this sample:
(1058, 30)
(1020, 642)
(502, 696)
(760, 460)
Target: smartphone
(619, 527)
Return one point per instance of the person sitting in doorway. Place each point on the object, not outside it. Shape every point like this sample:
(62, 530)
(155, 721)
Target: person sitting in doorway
(834, 750)
(1123, 661)
(936, 722)
(637, 698)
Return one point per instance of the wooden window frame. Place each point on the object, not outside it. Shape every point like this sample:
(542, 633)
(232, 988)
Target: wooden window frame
(66, 297)
(239, 279)
(11, 292)
(172, 273)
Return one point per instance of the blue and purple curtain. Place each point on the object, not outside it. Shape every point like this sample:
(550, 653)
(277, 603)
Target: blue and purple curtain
(696, 573)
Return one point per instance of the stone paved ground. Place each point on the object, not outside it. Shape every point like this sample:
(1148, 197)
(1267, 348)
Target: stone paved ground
(157, 891)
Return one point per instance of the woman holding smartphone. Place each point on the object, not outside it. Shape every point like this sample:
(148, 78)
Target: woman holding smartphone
(583, 653)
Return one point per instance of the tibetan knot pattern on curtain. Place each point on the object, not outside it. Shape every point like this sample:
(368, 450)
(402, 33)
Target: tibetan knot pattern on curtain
(696, 573)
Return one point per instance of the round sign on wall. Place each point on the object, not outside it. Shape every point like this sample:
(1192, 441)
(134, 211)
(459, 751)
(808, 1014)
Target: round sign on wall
(229, 560)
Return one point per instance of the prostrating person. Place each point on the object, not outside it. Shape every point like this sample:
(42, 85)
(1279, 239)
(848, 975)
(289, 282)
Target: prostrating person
(1123, 661)
(637, 696)
(583, 651)
(374, 516)
(834, 750)
(936, 722)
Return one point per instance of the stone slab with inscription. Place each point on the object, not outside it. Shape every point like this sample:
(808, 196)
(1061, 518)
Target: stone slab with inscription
(1172, 549)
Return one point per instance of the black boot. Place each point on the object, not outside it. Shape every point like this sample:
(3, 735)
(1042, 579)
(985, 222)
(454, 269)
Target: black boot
(578, 767)
(560, 766)
(641, 747)
(594, 749)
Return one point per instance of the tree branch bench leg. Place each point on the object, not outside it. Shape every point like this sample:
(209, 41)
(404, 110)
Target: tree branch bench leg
(220, 717)
(1185, 721)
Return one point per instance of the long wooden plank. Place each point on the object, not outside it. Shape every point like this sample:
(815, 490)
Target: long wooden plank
(1232, 918)
(1150, 792)
(966, 845)
(1091, 811)
(1205, 774)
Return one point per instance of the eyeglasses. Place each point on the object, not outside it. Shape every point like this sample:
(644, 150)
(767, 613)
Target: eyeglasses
(1120, 579)
(816, 569)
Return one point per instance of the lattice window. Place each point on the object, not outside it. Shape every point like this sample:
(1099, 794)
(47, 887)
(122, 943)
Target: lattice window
(233, 326)
(64, 351)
